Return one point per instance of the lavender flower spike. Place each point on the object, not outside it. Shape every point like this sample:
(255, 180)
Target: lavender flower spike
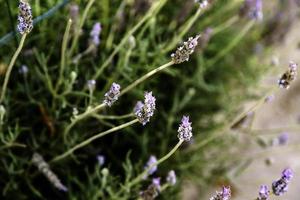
(280, 186)
(156, 183)
(25, 23)
(264, 193)
(112, 95)
(183, 52)
(225, 194)
(289, 76)
(95, 33)
(145, 112)
(185, 129)
(171, 178)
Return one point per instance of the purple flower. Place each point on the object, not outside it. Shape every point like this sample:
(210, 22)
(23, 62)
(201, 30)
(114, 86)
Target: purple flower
(171, 178)
(101, 160)
(287, 174)
(138, 106)
(95, 34)
(283, 138)
(152, 160)
(263, 192)
(112, 95)
(74, 11)
(252, 9)
(156, 183)
(280, 186)
(270, 98)
(289, 76)
(225, 194)
(23, 70)
(183, 52)
(25, 23)
(145, 112)
(91, 84)
(185, 129)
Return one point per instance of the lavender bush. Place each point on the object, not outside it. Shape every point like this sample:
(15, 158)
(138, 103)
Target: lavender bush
(68, 130)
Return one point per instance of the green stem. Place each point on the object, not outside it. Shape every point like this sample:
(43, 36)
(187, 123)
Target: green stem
(63, 54)
(157, 5)
(146, 76)
(229, 125)
(78, 29)
(113, 117)
(91, 139)
(226, 24)
(232, 44)
(185, 29)
(80, 117)
(11, 64)
(146, 171)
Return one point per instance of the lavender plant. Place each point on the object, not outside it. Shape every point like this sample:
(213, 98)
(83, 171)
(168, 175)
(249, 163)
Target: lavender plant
(63, 103)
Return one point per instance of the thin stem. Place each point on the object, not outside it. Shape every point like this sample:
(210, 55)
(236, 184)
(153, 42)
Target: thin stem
(82, 116)
(11, 64)
(232, 44)
(89, 112)
(146, 171)
(226, 24)
(78, 30)
(229, 125)
(146, 76)
(113, 117)
(157, 5)
(91, 139)
(63, 53)
(185, 29)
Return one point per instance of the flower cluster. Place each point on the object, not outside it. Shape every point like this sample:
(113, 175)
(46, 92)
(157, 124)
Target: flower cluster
(225, 194)
(152, 160)
(25, 23)
(171, 178)
(112, 95)
(144, 111)
(264, 193)
(44, 168)
(202, 3)
(252, 9)
(185, 129)
(288, 76)
(95, 34)
(280, 186)
(183, 52)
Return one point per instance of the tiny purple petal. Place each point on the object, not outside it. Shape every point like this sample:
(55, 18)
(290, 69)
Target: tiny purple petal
(101, 160)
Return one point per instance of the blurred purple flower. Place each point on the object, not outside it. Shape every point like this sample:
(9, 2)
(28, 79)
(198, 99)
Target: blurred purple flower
(101, 160)
(225, 194)
(280, 186)
(171, 178)
(263, 192)
(95, 34)
(152, 160)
